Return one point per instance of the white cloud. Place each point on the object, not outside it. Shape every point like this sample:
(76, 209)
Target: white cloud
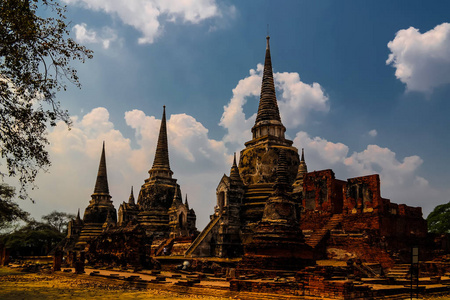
(373, 133)
(295, 99)
(375, 159)
(298, 99)
(233, 117)
(422, 61)
(320, 153)
(90, 36)
(148, 16)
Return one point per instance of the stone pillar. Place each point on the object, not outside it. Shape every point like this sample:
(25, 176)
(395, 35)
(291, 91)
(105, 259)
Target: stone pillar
(1, 254)
(79, 265)
(72, 259)
(5, 256)
(57, 260)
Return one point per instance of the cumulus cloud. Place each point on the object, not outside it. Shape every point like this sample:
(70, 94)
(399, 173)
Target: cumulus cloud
(374, 159)
(148, 16)
(422, 61)
(90, 36)
(320, 153)
(295, 99)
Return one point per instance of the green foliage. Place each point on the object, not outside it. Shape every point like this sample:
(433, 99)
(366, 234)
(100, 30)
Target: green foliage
(35, 56)
(35, 238)
(58, 220)
(439, 219)
(10, 212)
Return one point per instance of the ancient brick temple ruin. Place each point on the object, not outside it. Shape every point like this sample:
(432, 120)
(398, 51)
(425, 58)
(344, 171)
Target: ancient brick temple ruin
(158, 216)
(270, 211)
(329, 214)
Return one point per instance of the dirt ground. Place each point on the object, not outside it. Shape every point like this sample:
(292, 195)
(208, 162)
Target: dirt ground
(16, 285)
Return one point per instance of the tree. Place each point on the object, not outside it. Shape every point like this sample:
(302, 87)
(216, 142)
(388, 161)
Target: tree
(58, 220)
(439, 219)
(35, 56)
(10, 212)
(35, 238)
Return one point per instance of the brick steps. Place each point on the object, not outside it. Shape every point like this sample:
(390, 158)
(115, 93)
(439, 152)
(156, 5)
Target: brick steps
(315, 238)
(202, 235)
(400, 271)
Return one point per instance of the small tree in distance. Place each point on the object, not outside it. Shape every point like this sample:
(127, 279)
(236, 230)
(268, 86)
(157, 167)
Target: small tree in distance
(58, 220)
(439, 219)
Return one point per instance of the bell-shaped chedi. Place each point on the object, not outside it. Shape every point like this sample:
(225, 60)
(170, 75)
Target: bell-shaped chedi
(160, 196)
(278, 242)
(258, 161)
(100, 205)
(159, 189)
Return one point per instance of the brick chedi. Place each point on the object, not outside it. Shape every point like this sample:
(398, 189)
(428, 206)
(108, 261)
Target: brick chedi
(158, 209)
(99, 210)
(278, 242)
(241, 199)
(258, 161)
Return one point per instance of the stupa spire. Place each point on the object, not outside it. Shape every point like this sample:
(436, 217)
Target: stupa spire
(186, 203)
(234, 173)
(101, 185)
(268, 106)
(131, 198)
(268, 120)
(161, 166)
(302, 168)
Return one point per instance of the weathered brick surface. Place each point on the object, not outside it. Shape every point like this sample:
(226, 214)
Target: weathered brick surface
(367, 248)
(322, 192)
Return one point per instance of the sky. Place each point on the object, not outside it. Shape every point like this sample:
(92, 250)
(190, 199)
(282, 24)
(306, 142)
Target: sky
(362, 86)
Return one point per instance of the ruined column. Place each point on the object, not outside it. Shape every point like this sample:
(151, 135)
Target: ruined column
(79, 264)
(5, 256)
(57, 260)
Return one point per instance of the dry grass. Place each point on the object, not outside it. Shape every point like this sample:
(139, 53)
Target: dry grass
(16, 285)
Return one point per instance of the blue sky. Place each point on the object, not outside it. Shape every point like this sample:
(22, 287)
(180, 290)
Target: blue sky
(363, 86)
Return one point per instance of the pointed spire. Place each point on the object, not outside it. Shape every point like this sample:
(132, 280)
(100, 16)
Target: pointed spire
(131, 198)
(161, 166)
(234, 173)
(186, 203)
(268, 107)
(78, 219)
(302, 168)
(101, 185)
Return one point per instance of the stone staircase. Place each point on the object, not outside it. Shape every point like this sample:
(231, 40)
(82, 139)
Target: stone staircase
(202, 235)
(320, 234)
(166, 243)
(399, 271)
(89, 231)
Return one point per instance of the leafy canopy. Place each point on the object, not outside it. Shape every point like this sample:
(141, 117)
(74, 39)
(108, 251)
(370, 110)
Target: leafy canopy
(439, 219)
(58, 220)
(35, 57)
(10, 212)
